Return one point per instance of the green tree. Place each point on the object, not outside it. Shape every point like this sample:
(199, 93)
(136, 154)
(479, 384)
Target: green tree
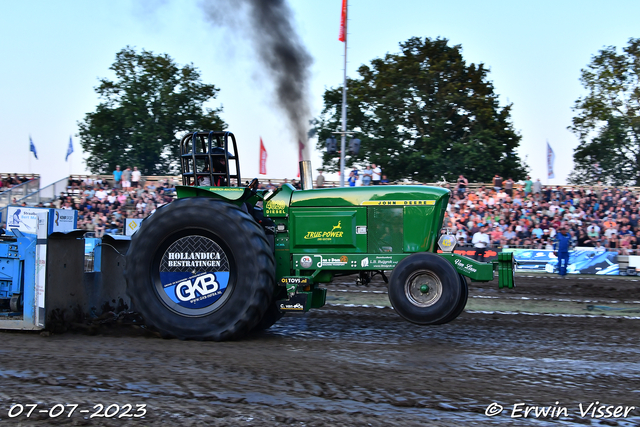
(143, 111)
(607, 120)
(424, 113)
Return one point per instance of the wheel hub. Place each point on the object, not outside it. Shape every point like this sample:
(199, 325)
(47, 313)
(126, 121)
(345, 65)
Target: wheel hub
(423, 289)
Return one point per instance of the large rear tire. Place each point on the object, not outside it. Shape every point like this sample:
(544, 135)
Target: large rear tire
(425, 289)
(200, 268)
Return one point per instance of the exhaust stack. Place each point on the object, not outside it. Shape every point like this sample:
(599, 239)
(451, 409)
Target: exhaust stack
(306, 179)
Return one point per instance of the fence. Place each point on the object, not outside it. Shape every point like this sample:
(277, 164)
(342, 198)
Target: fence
(15, 194)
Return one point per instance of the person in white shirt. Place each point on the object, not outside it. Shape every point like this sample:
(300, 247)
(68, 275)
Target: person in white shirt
(376, 172)
(101, 194)
(480, 242)
(135, 177)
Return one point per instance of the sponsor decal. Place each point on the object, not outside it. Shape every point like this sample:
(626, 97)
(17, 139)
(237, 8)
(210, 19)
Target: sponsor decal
(398, 203)
(274, 207)
(306, 261)
(291, 307)
(364, 262)
(335, 232)
(194, 272)
(331, 261)
(464, 266)
(295, 280)
(361, 229)
(382, 261)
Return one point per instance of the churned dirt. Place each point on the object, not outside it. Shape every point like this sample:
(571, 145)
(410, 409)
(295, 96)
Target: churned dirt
(352, 363)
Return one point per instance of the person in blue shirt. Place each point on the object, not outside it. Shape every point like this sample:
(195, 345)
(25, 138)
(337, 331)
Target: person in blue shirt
(561, 249)
(117, 177)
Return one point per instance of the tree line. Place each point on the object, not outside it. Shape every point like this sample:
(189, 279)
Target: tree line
(422, 113)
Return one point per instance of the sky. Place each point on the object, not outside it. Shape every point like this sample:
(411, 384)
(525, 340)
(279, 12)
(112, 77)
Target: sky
(53, 53)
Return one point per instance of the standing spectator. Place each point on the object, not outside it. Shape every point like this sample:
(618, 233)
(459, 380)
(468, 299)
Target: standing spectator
(126, 179)
(117, 177)
(497, 182)
(319, 179)
(561, 250)
(537, 188)
(367, 175)
(508, 187)
(135, 177)
(376, 173)
(461, 185)
(480, 242)
(527, 186)
(353, 177)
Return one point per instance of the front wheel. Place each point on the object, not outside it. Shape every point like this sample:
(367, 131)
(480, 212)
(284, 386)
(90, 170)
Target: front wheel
(425, 289)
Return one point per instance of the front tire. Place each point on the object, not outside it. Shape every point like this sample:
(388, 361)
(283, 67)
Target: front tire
(200, 268)
(425, 289)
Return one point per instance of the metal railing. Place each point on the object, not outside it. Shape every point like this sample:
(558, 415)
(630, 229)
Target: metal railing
(32, 195)
(15, 194)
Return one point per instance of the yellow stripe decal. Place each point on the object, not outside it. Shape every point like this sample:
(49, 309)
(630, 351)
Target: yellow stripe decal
(398, 203)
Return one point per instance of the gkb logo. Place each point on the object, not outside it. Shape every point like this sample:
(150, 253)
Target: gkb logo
(201, 286)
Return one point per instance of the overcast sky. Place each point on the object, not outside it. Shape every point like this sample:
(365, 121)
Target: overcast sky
(54, 52)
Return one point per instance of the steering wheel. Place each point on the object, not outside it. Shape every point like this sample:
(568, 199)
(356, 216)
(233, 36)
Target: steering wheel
(253, 185)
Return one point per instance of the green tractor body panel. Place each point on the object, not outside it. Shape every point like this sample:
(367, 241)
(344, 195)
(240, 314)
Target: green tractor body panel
(329, 231)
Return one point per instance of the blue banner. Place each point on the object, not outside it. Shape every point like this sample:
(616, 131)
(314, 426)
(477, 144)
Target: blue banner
(582, 261)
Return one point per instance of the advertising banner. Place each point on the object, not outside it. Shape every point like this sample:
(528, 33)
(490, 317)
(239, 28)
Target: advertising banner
(63, 220)
(131, 225)
(22, 218)
(490, 254)
(581, 261)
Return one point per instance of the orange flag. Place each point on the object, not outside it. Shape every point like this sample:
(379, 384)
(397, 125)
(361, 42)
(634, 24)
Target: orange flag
(343, 23)
(263, 159)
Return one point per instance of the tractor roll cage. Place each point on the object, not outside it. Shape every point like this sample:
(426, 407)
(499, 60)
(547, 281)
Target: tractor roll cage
(201, 156)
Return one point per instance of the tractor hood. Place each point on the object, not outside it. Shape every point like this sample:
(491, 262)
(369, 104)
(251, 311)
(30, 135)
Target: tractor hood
(377, 195)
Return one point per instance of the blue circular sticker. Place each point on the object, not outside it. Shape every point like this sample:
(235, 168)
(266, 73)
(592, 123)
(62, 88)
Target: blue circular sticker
(194, 272)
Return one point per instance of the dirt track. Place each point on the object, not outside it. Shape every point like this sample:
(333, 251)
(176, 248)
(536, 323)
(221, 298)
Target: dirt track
(351, 366)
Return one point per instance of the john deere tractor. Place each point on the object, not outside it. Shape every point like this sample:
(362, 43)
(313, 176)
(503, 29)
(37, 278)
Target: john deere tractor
(226, 258)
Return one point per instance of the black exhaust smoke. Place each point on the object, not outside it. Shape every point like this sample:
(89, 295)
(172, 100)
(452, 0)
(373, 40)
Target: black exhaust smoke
(270, 27)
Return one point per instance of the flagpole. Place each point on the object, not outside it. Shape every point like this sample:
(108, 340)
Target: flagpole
(343, 139)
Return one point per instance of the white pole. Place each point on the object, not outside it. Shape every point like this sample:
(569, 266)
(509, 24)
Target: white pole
(344, 104)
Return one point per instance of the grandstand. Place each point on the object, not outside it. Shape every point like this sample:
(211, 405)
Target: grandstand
(602, 217)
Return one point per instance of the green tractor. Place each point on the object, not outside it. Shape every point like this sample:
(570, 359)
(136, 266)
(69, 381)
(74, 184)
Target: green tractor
(225, 259)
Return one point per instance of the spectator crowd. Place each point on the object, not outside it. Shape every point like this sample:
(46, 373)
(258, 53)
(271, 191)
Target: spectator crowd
(530, 215)
(103, 206)
(11, 180)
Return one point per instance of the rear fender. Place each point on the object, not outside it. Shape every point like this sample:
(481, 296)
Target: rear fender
(234, 195)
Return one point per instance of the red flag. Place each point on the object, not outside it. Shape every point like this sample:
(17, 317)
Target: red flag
(300, 149)
(343, 23)
(263, 159)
